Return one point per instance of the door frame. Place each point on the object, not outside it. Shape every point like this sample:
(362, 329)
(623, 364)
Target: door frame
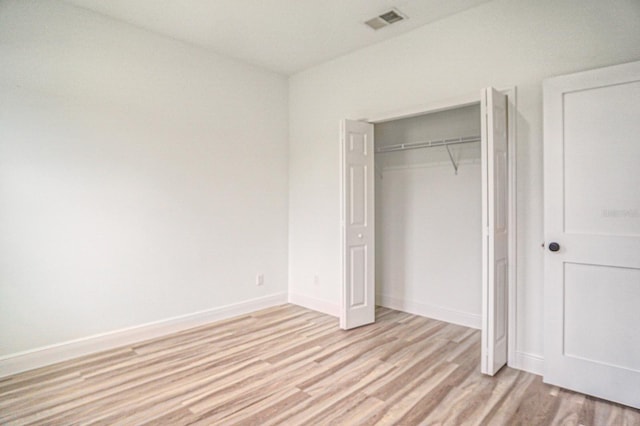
(467, 100)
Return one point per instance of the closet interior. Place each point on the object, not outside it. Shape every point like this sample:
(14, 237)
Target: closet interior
(429, 214)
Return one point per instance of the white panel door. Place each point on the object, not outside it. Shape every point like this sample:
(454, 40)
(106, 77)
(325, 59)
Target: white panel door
(495, 236)
(357, 183)
(592, 232)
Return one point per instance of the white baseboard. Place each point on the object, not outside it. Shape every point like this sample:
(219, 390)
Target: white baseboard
(528, 362)
(431, 311)
(312, 303)
(28, 360)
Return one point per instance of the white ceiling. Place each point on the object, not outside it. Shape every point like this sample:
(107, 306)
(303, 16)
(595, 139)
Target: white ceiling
(282, 35)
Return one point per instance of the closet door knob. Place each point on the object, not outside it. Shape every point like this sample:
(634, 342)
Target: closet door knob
(360, 236)
(554, 246)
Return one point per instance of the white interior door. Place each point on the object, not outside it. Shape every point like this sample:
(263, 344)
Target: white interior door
(592, 232)
(358, 239)
(494, 218)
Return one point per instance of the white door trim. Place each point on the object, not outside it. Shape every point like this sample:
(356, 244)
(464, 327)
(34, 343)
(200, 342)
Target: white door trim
(428, 108)
(458, 102)
(512, 102)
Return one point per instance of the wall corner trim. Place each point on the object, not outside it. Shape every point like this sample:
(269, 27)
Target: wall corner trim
(41, 357)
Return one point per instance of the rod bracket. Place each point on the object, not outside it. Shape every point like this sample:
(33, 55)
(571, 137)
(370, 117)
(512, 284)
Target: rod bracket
(453, 161)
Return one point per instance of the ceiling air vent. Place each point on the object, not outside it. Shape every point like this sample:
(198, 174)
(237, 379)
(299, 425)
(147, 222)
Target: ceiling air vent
(387, 18)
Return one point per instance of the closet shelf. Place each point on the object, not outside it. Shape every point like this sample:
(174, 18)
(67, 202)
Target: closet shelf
(431, 144)
(427, 144)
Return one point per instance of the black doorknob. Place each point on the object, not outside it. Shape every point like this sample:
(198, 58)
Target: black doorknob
(554, 246)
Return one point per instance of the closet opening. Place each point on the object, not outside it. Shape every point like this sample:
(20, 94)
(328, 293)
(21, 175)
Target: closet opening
(428, 218)
(428, 215)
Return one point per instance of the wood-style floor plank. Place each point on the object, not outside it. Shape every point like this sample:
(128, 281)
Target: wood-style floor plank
(287, 365)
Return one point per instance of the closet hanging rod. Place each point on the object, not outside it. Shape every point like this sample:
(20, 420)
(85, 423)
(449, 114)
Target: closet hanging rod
(427, 144)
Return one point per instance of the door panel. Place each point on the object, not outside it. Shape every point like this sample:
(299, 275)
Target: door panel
(592, 210)
(596, 288)
(357, 166)
(358, 281)
(358, 194)
(602, 200)
(495, 223)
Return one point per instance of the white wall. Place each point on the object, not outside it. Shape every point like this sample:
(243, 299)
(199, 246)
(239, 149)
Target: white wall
(501, 43)
(429, 219)
(140, 178)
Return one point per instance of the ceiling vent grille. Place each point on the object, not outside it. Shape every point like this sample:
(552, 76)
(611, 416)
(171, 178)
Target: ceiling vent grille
(390, 17)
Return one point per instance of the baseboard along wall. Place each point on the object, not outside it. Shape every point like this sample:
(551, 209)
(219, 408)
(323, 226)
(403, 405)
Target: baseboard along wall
(40, 357)
(528, 362)
(315, 304)
(431, 311)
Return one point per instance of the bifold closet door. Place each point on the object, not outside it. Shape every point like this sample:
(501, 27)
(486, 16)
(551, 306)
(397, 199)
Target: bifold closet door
(357, 216)
(495, 236)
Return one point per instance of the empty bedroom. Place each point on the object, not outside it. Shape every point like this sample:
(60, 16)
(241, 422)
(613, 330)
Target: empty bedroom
(334, 212)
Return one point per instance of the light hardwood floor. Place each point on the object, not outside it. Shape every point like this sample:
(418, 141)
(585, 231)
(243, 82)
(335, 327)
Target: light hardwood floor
(292, 366)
